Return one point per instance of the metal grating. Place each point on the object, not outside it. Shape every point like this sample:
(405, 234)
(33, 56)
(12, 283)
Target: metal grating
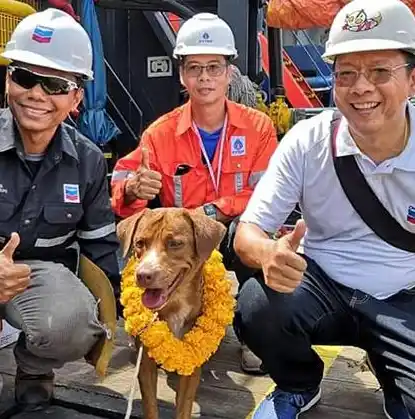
(36, 4)
(10, 16)
(7, 24)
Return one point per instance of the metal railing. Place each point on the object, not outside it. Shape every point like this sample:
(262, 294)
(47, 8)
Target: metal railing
(315, 64)
(131, 100)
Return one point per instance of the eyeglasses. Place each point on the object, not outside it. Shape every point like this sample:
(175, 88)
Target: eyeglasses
(52, 85)
(213, 70)
(376, 75)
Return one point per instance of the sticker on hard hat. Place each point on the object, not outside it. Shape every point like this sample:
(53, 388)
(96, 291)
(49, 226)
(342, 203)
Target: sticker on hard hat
(205, 38)
(42, 34)
(358, 21)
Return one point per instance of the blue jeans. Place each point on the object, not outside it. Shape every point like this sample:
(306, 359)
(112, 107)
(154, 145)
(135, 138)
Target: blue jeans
(281, 329)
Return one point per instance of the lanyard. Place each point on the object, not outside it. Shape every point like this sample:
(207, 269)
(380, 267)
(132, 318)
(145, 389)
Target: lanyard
(209, 165)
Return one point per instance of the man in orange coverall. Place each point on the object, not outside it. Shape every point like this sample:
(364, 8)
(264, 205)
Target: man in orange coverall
(206, 155)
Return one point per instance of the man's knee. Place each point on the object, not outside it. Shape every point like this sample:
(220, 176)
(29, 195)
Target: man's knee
(67, 333)
(260, 313)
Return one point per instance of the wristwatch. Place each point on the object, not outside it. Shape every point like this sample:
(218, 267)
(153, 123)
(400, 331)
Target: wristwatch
(210, 210)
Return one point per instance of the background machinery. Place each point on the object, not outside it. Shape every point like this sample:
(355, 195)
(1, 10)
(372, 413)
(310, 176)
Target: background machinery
(137, 79)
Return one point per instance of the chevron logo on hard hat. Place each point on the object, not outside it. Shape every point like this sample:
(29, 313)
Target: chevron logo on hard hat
(42, 34)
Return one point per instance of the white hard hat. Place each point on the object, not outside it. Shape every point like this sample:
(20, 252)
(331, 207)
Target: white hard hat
(373, 25)
(52, 39)
(205, 33)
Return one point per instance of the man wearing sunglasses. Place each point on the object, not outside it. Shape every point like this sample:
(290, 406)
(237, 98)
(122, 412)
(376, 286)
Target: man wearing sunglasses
(206, 155)
(54, 203)
(353, 174)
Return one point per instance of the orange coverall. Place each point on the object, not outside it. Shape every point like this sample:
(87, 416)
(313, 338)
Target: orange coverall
(171, 142)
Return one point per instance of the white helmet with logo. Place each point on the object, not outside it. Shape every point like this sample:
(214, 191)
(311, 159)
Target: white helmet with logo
(52, 39)
(205, 33)
(374, 25)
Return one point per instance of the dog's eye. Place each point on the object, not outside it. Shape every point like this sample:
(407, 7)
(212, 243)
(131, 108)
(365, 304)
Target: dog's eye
(139, 244)
(174, 244)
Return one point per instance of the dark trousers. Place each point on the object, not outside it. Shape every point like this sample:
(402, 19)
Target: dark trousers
(281, 329)
(230, 258)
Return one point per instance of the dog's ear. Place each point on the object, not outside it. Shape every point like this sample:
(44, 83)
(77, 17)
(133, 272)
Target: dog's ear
(126, 230)
(208, 234)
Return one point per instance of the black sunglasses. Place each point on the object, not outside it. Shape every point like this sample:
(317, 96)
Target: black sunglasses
(52, 85)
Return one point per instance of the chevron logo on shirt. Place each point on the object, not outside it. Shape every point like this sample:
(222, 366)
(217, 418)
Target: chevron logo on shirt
(410, 217)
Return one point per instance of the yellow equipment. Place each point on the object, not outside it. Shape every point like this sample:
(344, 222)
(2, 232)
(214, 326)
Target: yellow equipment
(99, 285)
(11, 13)
(278, 111)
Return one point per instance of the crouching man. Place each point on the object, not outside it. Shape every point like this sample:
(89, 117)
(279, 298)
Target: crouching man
(54, 204)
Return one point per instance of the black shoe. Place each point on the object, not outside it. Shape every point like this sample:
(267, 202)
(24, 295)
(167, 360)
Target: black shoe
(33, 392)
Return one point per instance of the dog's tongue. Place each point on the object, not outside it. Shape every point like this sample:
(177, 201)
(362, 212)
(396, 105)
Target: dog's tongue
(153, 298)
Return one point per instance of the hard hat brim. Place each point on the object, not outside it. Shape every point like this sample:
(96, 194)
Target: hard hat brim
(28, 57)
(366, 45)
(205, 50)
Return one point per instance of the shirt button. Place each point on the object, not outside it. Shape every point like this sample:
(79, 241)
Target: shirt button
(27, 222)
(69, 215)
(34, 187)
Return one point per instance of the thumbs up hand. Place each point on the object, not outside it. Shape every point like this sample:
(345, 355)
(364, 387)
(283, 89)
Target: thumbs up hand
(145, 159)
(14, 278)
(293, 239)
(10, 247)
(146, 183)
(283, 268)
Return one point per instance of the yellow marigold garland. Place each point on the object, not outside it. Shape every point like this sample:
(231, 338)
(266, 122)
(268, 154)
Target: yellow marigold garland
(200, 343)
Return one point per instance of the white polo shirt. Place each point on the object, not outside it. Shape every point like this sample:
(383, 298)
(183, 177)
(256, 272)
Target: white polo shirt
(301, 170)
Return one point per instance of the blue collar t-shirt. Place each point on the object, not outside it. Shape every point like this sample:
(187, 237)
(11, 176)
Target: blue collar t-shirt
(210, 141)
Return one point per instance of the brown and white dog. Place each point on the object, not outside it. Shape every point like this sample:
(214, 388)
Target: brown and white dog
(171, 246)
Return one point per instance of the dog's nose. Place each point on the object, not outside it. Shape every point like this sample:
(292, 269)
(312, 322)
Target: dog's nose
(148, 270)
(147, 276)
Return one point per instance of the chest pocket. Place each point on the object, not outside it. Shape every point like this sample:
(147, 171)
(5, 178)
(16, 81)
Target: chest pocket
(183, 188)
(235, 175)
(67, 216)
(7, 211)
(59, 224)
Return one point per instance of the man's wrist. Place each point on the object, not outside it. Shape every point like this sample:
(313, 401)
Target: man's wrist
(264, 246)
(211, 211)
(129, 195)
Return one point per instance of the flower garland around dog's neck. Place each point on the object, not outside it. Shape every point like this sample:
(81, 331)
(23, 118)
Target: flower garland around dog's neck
(202, 341)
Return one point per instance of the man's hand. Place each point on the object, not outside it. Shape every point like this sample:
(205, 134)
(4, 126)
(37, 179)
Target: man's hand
(283, 268)
(14, 278)
(146, 183)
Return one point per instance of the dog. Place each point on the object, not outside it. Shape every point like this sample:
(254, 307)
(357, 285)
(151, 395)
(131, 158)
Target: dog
(171, 246)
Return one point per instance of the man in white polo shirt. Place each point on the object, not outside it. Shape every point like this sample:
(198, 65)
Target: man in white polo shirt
(351, 287)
